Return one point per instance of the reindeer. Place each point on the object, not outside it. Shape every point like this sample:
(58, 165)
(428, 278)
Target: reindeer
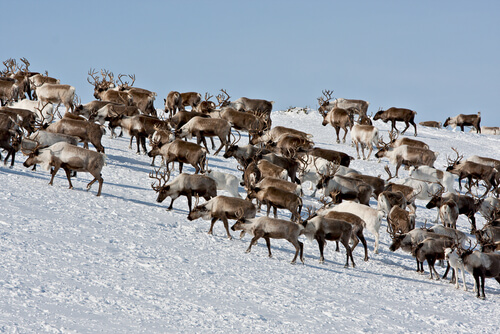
(142, 98)
(400, 221)
(462, 120)
(277, 199)
(431, 124)
(322, 229)
(82, 129)
(407, 155)
(244, 121)
(359, 107)
(102, 89)
(274, 134)
(336, 157)
(366, 136)
(91, 108)
(56, 93)
(397, 115)
(260, 106)
(472, 170)
(182, 152)
(173, 103)
(337, 117)
(430, 250)
(291, 165)
(480, 265)
(9, 141)
(394, 141)
(138, 126)
(467, 205)
(223, 208)
(267, 228)
(70, 158)
(206, 106)
(341, 187)
(183, 185)
(358, 224)
(210, 127)
(191, 99)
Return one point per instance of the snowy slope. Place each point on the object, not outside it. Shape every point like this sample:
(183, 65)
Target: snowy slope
(75, 263)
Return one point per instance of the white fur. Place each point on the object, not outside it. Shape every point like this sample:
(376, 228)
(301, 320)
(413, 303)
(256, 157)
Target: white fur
(316, 166)
(372, 217)
(430, 174)
(366, 136)
(457, 264)
(47, 113)
(225, 182)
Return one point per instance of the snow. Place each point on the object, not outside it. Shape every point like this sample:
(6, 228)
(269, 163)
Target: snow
(72, 262)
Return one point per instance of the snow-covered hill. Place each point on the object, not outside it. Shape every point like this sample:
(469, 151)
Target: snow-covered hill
(71, 262)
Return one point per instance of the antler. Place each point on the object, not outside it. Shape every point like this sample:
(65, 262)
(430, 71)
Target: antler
(40, 124)
(381, 144)
(438, 193)
(236, 140)
(120, 79)
(28, 152)
(208, 96)
(327, 94)
(77, 100)
(92, 73)
(162, 178)
(393, 137)
(26, 64)
(414, 194)
(125, 84)
(133, 79)
(457, 160)
(326, 203)
(221, 99)
(11, 65)
(388, 171)
(311, 211)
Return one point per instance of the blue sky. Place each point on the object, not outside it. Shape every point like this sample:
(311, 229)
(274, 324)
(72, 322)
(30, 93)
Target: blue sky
(439, 58)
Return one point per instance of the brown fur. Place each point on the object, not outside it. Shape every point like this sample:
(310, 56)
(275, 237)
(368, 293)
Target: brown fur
(86, 131)
(278, 199)
(397, 115)
(182, 152)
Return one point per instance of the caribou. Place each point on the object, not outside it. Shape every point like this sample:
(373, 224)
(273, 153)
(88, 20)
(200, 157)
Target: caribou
(397, 115)
(183, 185)
(472, 170)
(223, 208)
(462, 120)
(70, 158)
(358, 106)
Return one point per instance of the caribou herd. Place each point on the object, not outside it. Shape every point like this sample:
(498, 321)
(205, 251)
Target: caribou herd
(276, 166)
